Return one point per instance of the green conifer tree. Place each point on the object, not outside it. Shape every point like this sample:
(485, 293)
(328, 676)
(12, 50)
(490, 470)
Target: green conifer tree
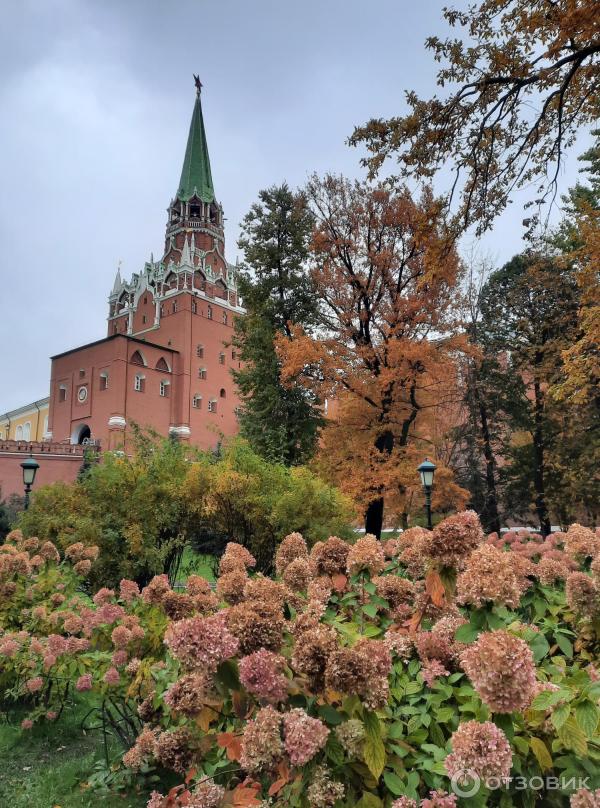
(280, 422)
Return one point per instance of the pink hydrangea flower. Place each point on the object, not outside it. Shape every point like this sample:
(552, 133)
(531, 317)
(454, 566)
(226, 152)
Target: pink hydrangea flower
(479, 750)
(103, 595)
(201, 642)
(261, 673)
(111, 677)
(84, 682)
(121, 637)
(34, 685)
(303, 736)
(128, 590)
(502, 670)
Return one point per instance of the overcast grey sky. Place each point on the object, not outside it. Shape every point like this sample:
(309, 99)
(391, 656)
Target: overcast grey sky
(95, 102)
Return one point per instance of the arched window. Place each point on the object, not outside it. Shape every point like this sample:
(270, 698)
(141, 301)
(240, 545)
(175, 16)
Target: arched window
(137, 358)
(202, 373)
(222, 393)
(139, 383)
(83, 435)
(163, 365)
(104, 380)
(19, 432)
(200, 351)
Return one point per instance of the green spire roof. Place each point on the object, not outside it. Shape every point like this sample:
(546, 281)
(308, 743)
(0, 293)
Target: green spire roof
(195, 174)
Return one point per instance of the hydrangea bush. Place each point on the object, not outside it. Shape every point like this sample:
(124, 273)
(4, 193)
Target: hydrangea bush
(378, 675)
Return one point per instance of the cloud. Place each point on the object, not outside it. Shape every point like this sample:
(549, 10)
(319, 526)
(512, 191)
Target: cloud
(96, 100)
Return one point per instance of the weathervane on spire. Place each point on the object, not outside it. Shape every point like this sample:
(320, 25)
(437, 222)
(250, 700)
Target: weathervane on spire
(198, 83)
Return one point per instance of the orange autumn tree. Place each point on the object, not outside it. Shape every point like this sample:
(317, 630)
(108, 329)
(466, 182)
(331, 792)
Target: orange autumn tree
(516, 82)
(386, 277)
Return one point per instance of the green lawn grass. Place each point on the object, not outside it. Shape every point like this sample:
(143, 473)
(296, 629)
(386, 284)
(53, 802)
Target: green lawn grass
(49, 766)
(193, 563)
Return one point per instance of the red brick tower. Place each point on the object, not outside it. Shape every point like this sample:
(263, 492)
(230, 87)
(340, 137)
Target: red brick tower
(167, 358)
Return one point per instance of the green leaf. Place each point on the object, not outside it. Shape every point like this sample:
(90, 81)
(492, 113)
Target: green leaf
(413, 783)
(594, 690)
(573, 737)
(505, 723)
(369, 801)
(330, 714)
(521, 744)
(334, 750)
(560, 715)
(444, 714)
(227, 673)
(374, 750)
(370, 610)
(565, 645)
(466, 633)
(412, 688)
(540, 750)
(436, 735)
(413, 724)
(393, 783)
(546, 699)
(494, 621)
(587, 715)
(539, 646)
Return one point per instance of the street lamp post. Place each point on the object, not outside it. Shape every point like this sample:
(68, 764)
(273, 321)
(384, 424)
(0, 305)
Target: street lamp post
(30, 467)
(427, 470)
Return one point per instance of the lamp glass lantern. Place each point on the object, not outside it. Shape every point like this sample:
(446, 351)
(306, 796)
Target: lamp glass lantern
(30, 467)
(427, 470)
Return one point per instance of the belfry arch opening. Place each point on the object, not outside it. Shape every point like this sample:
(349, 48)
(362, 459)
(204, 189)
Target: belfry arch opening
(82, 434)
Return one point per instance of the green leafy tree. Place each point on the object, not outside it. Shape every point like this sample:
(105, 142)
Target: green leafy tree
(130, 506)
(143, 510)
(583, 195)
(528, 316)
(280, 422)
(256, 503)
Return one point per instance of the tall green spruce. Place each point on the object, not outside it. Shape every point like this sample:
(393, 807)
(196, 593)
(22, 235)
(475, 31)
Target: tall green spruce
(280, 423)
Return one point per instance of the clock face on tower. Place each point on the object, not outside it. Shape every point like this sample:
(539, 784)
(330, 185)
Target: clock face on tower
(82, 394)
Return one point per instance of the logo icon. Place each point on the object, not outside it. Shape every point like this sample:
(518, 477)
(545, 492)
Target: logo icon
(465, 783)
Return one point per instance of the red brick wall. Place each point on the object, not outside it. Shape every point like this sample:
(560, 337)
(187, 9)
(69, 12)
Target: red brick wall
(56, 463)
